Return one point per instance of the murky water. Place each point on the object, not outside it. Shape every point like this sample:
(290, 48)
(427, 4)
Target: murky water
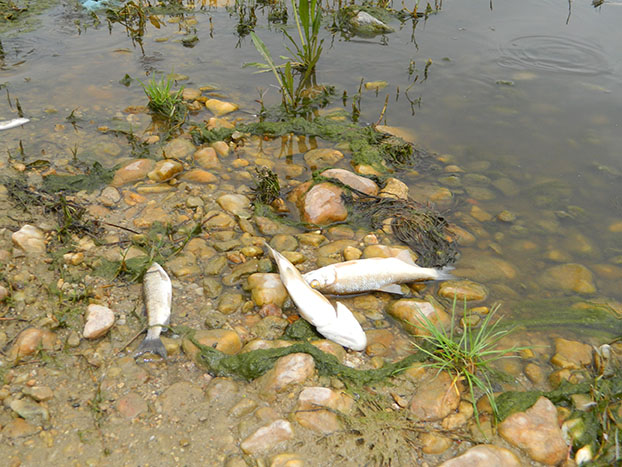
(525, 98)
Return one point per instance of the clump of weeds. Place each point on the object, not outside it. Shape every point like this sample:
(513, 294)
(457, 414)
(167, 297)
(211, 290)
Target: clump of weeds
(164, 102)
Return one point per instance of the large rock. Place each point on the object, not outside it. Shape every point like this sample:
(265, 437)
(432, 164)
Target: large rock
(484, 455)
(411, 310)
(309, 411)
(572, 277)
(436, 397)
(267, 437)
(352, 180)
(537, 432)
(132, 172)
(267, 288)
(99, 319)
(164, 170)
(289, 370)
(30, 239)
(322, 157)
(322, 205)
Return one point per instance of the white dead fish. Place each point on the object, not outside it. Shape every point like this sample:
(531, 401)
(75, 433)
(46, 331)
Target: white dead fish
(364, 275)
(158, 294)
(338, 325)
(8, 124)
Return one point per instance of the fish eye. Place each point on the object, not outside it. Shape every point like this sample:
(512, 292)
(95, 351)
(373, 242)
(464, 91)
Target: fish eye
(315, 283)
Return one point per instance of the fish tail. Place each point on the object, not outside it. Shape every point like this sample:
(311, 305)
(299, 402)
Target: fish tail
(152, 345)
(444, 274)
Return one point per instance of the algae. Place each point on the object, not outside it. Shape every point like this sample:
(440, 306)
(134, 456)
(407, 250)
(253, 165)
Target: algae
(92, 179)
(267, 188)
(251, 365)
(586, 318)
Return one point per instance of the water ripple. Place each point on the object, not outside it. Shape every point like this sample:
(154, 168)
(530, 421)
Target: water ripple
(554, 53)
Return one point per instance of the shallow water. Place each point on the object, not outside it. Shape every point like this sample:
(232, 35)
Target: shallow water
(524, 97)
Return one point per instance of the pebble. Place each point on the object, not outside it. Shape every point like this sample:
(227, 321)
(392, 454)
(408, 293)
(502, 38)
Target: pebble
(322, 157)
(287, 459)
(165, 170)
(410, 310)
(311, 239)
(220, 108)
(394, 188)
(436, 398)
(534, 373)
(537, 432)
(132, 172)
(572, 355)
(179, 148)
(463, 290)
(270, 327)
(284, 242)
(238, 205)
(484, 455)
(110, 196)
(323, 204)
(289, 370)
(30, 411)
(267, 437)
(190, 94)
(99, 319)
(571, 277)
(351, 253)
(309, 414)
(39, 393)
(479, 214)
(267, 288)
(131, 405)
(30, 340)
(352, 180)
(221, 148)
(30, 239)
(433, 443)
(19, 428)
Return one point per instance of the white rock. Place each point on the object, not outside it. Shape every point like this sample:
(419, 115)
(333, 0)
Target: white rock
(30, 239)
(99, 319)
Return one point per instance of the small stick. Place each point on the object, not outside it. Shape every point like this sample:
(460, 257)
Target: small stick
(384, 109)
(132, 339)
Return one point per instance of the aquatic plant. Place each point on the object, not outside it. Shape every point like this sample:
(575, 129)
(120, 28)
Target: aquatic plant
(307, 51)
(163, 101)
(268, 187)
(466, 355)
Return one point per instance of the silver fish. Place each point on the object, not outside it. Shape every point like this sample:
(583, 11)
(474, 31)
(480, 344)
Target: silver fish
(158, 294)
(8, 124)
(364, 275)
(338, 325)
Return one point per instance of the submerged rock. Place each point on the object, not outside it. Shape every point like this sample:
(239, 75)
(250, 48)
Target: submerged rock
(352, 180)
(571, 354)
(267, 437)
(267, 288)
(411, 310)
(164, 170)
(484, 455)
(537, 432)
(238, 205)
(574, 277)
(220, 108)
(322, 157)
(132, 172)
(309, 412)
(463, 290)
(288, 370)
(179, 148)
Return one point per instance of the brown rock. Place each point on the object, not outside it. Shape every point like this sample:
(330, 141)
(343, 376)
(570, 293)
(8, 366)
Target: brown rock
(179, 148)
(267, 288)
(352, 180)
(132, 172)
(571, 354)
(537, 432)
(219, 108)
(221, 148)
(164, 170)
(323, 205)
(19, 428)
(432, 443)
(484, 455)
(30, 340)
(30, 239)
(379, 342)
(287, 459)
(199, 176)
(289, 370)
(394, 189)
(309, 414)
(436, 398)
(574, 277)
(226, 341)
(463, 290)
(39, 393)
(267, 437)
(410, 311)
(207, 158)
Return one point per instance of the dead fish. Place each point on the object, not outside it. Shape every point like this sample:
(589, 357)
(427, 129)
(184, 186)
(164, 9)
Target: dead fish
(158, 294)
(8, 124)
(364, 275)
(338, 325)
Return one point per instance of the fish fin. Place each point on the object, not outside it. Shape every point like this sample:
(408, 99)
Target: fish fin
(444, 274)
(404, 255)
(391, 288)
(152, 345)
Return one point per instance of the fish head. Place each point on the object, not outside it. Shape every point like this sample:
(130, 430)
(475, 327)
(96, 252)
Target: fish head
(320, 278)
